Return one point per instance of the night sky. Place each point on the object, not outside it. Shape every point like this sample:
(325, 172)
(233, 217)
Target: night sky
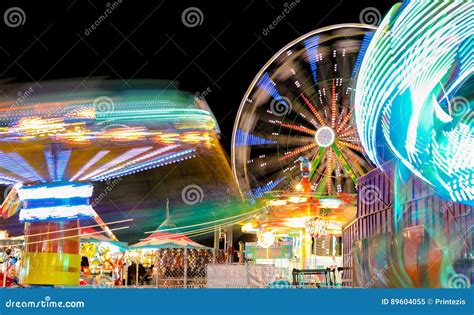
(147, 39)
(217, 58)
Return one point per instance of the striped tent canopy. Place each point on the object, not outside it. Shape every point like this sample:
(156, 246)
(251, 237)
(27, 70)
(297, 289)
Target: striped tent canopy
(162, 240)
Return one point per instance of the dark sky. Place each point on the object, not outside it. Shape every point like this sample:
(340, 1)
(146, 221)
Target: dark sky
(218, 58)
(148, 39)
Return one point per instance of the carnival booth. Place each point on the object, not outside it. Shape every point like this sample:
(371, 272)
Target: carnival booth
(170, 259)
(299, 231)
(102, 259)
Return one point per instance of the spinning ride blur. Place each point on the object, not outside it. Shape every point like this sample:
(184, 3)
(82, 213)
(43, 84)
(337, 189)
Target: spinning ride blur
(54, 144)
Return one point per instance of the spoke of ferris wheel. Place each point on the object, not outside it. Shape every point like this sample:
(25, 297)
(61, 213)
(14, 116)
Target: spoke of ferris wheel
(339, 172)
(284, 141)
(333, 105)
(351, 145)
(329, 170)
(344, 163)
(318, 116)
(350, 132)
(315, 163)
(321, 169)
(297, 151)
(299, 128)
(348, 127)
(341, 116)
(322, 184)
(307, 115)
(356, 162)
(269, 163)
(344, 121)
(302, 111)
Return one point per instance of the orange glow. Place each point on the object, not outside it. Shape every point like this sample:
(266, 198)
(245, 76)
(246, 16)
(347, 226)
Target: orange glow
(125, 134)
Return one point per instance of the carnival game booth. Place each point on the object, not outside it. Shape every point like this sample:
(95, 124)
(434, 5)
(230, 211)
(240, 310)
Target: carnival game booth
(300, 231)
(171, 259)
(102, 259)
(177, 261)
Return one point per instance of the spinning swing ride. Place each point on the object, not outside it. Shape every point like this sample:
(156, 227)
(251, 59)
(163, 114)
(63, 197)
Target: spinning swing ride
(54, 145)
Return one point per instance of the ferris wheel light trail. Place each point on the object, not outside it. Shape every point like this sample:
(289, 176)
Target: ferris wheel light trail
(299, 128)
(313, 110)
(305, 89)
(294, 153)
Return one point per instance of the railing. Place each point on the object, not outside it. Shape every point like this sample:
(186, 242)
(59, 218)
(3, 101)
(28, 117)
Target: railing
(323, 278)
(192, 272)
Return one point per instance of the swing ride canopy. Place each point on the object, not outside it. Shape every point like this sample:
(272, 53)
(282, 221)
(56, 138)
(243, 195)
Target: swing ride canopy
(99, 133)
(163, 240)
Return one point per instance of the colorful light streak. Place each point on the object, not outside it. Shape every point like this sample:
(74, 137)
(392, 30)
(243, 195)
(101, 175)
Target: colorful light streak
(55, 202)
(59, 190)
(88, 136)
(419, 60)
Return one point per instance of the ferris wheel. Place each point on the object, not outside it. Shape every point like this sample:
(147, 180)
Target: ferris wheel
(300, 106)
